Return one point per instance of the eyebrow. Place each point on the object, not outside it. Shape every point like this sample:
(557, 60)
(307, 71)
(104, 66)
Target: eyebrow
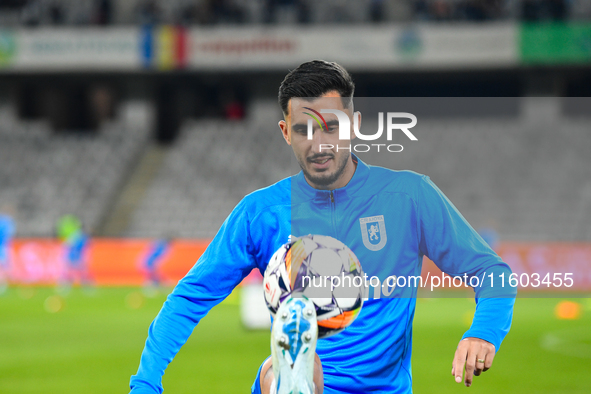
(298, 127)
(333, 122)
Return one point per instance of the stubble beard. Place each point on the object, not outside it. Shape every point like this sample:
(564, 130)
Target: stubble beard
(324, 180)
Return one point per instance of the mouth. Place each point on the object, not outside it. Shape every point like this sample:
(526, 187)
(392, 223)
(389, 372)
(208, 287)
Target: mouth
(320, 162)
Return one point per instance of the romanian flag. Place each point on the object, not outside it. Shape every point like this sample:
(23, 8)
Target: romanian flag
(164, 47)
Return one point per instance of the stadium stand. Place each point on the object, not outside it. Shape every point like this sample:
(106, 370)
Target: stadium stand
(210, 12)
(210, 167)
(46, 175)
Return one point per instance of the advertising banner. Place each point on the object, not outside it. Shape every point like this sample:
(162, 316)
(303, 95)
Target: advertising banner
(360, 48)
(88, 49)
(546, 267)
(165, 48)
(537, 268)
(556, 43)
(103, 262)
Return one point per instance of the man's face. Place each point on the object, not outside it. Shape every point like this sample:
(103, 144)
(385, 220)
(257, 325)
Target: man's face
(324, 167)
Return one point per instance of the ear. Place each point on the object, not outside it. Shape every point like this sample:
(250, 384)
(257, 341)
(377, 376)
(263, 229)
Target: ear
(285, 131)
(356, 115)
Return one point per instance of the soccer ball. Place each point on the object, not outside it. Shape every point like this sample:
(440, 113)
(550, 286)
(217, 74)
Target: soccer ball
(325, 271)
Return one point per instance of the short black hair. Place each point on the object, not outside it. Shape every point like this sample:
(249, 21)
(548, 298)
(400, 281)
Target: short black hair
(315, 78)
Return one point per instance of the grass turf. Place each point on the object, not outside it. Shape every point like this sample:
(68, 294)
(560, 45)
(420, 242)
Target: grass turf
(91, 341)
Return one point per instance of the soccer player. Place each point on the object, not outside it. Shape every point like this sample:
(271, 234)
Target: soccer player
(75, 241)
(7, 229)
(155, 256)
(336, 194)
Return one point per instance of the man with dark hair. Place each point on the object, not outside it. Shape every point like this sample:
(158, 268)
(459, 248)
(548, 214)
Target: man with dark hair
(311, 79)
(332, 195)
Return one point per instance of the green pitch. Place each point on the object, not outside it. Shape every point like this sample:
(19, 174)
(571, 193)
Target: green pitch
(90, 342)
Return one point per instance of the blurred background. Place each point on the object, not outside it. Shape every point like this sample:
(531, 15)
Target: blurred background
(129, 129)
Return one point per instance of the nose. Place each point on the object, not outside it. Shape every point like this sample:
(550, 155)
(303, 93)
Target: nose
(319, 141)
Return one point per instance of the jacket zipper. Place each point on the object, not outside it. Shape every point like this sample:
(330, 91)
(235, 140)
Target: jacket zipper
(333, 214)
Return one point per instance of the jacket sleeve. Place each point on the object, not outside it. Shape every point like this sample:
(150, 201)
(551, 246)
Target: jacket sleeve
(226, 261)
(457, 249)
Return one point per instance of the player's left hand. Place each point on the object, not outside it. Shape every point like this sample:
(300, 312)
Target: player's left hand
(476, 355)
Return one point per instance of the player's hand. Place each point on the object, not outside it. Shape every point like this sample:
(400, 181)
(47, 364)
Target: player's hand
(476, 355)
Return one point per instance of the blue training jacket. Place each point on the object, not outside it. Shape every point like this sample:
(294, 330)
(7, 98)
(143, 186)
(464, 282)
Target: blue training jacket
(409, 217)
